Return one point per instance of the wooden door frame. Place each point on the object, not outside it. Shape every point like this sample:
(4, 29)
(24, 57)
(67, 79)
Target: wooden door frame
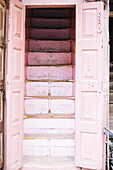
(2, 44)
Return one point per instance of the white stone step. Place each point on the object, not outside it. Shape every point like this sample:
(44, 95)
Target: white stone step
(49, 88)
(37, 88)
(62, 106)
(49, 147)
(49, 126)
(36, 106)
(48, 163)
(54, 106)
(49, 73)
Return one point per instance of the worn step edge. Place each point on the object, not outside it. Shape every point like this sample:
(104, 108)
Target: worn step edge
(66, 18)
(50, 97)
(49, 28)
(49, 65)
(49, 136)
(69, 116)
(49, 80)
(47, 40)
(48, 52)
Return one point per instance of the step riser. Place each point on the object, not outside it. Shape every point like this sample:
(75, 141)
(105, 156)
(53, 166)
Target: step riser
(49, 147)
(52, 13)
(49, 34)
(53, 131)
(37, 89)
(49, 73)
(49, 46)
(55, 106)
(62, 106)
(49, 126)
(49, 23)
(52, 88)
(49, 58)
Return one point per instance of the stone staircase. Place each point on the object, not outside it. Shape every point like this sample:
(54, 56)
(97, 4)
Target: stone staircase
(49, 120)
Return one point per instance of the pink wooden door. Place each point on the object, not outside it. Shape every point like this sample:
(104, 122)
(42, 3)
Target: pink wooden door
(15, 85)
(89, 85)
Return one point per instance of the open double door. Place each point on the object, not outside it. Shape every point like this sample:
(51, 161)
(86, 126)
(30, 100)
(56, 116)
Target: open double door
(90, 93)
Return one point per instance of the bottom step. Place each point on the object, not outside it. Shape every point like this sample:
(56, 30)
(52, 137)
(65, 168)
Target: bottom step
(47, 162)
(49, 147)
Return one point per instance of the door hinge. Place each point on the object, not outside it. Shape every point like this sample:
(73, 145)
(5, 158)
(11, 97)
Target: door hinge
(4, 99)
(3, 93)
(4, 44)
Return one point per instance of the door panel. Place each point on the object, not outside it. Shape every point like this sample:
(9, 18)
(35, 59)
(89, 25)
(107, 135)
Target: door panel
(15, 85)
(89, 87)
(2, 56)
